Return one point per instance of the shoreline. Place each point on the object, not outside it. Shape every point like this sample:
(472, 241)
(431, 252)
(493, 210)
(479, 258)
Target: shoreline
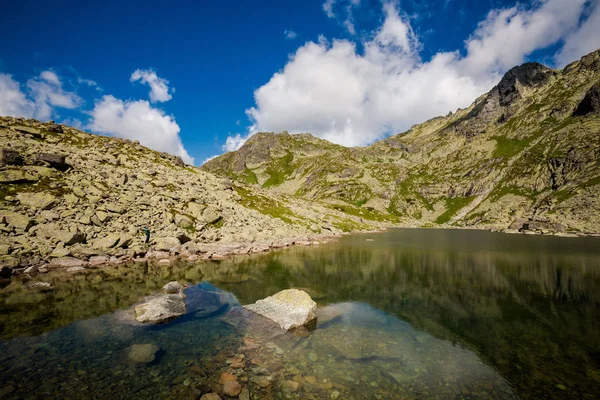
(220, 251)
(195, 253)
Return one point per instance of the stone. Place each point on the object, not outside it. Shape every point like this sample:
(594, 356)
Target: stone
(37, 201)
(173, 287)
(227, 377)
(210, 215)
(183, 221)
(10, 157)
(115, 208)
(54, 128)
(28, 130)
(195, 210)
(103, 216)
(57, 161)
(66, 237)
(106, 242)
(252, 324)
(66, 262)
(76, 269)
(290, 309)
(290, 386)
(95, 261)
(232, 388)
(210, 396)
(17, 176)
(16, 220)
(244, 394)
(141, 353)
(160, 309)
(179, 161)
(167, 243)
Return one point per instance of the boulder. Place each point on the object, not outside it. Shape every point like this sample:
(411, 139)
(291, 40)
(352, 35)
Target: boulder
(183, 221)
(66, 262)
(166, 243)
(54, 128)
(67, 237)
(10, 157)
(16, 220)
(57, 161)
(173, 287)
(37, 201)
(290, 309)
(232, 388)
(28, 130)
(141, 353)
(179, 161)
(161, 308)
(17, 176)
(106, 242)
(195, 210)
(210, 215)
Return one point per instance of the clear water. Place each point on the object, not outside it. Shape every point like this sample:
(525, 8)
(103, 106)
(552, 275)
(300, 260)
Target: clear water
(444, 314)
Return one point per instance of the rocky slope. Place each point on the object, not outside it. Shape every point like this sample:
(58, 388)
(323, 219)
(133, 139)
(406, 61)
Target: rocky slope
(66, 193)
(525, 156)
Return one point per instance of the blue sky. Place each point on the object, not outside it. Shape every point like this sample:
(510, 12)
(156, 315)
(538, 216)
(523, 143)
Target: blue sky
(197, 78)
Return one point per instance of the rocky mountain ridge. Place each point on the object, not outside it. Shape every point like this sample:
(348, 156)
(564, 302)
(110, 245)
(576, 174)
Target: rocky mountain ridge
(524, 156)
(73, 199)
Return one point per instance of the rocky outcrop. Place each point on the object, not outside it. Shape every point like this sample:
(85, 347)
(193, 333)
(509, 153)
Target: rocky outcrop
(590, 103)
(290, 309)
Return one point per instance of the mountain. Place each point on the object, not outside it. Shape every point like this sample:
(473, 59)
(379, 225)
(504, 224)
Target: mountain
(67, 193)
(525, 156)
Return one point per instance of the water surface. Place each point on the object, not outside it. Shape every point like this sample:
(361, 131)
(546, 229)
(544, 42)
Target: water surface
(419, 314)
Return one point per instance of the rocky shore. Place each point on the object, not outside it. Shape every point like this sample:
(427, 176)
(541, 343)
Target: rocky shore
(69, 199)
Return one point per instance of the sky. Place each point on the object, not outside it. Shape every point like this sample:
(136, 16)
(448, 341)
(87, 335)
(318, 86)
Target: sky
(197, 78)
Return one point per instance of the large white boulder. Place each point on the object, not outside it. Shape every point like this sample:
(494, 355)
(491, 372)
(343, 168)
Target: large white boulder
(290, 309)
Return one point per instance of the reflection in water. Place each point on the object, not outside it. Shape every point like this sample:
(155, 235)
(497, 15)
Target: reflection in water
(432, 314)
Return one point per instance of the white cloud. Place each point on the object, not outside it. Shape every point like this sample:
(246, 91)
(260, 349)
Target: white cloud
(235, 142)
(89, 82)
(583, 40)
(289, 34)
(333, 91)
(138, 120)
(328, 8)
(13, 101)
(48, 93)
(159, 89)
(348, 22)
(208, 159)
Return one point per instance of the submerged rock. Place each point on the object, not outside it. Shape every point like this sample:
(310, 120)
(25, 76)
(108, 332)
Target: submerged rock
(290, 309)
(161, 309)
(141, 353)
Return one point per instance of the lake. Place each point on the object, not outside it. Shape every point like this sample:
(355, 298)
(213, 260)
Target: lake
(412, 314)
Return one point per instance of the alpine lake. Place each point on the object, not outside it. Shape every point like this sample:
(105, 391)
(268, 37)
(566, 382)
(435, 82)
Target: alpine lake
(411, 314)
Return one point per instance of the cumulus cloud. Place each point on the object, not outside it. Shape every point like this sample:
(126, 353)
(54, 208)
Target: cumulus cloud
(48, 93)
(333, 90)
(289, 34)
(583, 40)
(13, 101)
(138, 120)
(159, 89)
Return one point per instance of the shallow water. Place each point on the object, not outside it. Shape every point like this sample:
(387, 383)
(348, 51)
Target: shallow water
(419, 314)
